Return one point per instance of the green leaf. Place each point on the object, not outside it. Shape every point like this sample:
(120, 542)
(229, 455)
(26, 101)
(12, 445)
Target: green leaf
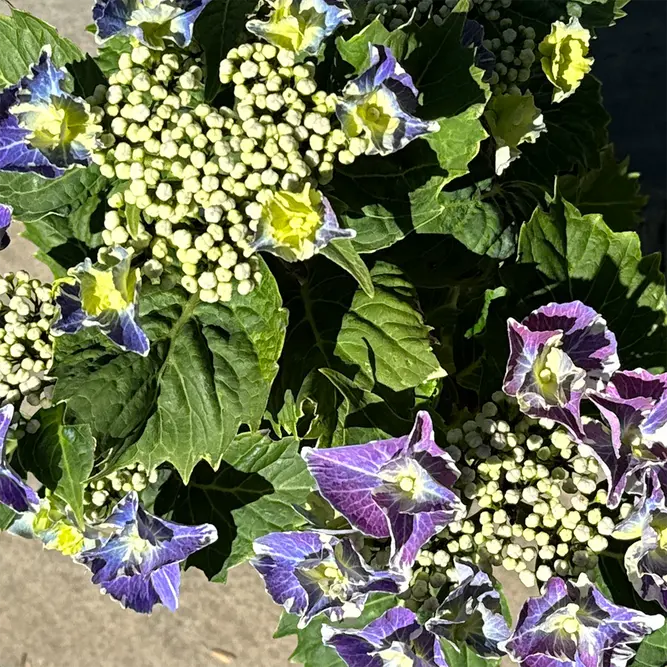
(22, 38)
(58, 213)
(356, 50)
(652, 652)
(109, 53)
(310, 651)
(385, 336)
(210, 369)
(251, 495)
(464, 656)
(61, 456)
(490, 295)
(7, 517)
(220, 27)
(87, 76)
(343, 253)
(611, 190)
(133, 217)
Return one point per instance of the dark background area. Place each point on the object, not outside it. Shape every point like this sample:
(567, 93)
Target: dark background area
(631, 62)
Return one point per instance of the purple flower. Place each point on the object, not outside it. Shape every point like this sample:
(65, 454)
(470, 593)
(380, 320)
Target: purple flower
(5, 222)
(393, 640)
(574, 625)
(14, 492)
(104, 296)
(152, 22)
(471, 613)
(646, 559)
(44, 129)
(139, 564)
(556, 353)
(632, 440)
(399, 488)
(314, 573)
(379, 106)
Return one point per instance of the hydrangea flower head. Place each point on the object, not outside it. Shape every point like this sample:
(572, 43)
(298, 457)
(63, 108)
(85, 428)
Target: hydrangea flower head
(297, 225)
(14, 492)
(313, 573)
(399, 488)
(471, 613)
(564, 60)
(151, 22)
(139, 564)
(103, 295)
(556, 353)
(43, 128)
(573, 625)
(5, 222)
(396, 639)
(379, 106)
(631, 441)
(301, 26)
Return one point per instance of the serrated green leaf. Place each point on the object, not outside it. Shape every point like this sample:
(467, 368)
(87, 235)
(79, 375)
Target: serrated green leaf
(356, 50)
(652, 652)
(109, 53)
(210, 369)
(310, 651)
(61, 456)
(251, 495)
(611, 190)
(220, 27)
(385, 336)
(22, 38)
(343, 253)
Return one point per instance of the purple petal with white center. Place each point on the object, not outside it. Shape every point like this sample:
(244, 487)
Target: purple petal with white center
(398, 488)
(138, 564)
(5, 222)
(128, 335)
(313, 573)
(574, 625)
(14, 492)
(385, 91)
(388, 640)
(472, 613)
(151, 23)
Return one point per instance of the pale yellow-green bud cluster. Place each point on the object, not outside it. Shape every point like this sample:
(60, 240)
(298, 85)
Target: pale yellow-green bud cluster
(101, 496)
(182, 200)
(515, 52)
(26, 347)
(538, 506)
(289, 127)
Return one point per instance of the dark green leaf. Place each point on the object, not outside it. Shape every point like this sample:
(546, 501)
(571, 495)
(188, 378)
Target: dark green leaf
(22, 38)
(344, 254)
(109, 53)
(220, 27)
(61, 456)
(652, 652)
(464, 656)
(385, 336)
(87, 76)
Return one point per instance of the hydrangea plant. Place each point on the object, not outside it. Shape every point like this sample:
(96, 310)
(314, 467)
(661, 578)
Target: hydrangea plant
(317, 243)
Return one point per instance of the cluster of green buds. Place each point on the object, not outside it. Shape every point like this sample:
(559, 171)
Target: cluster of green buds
(26, 347)
(102, 495)
(515, 52)
(179, 202)
(537, 506)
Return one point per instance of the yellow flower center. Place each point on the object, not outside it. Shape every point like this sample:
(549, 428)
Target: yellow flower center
(395, 657)
(331, 579)
(99, 293)
(294, 29)
(137, 545)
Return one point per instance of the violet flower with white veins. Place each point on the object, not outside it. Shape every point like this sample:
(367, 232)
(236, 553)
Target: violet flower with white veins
(556, 353)
(399, 488)
(573, 625)
(314, 573)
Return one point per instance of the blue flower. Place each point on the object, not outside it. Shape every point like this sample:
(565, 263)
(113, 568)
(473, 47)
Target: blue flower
(471, 613)
(151, 22)
(379, 106)
(399, 488)
(14, 492)
(139, 564)
(5, 222)
(301, 26)
(312, 573)
(103, 295)
(574, 625)
(396, 639)
(43, 128)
